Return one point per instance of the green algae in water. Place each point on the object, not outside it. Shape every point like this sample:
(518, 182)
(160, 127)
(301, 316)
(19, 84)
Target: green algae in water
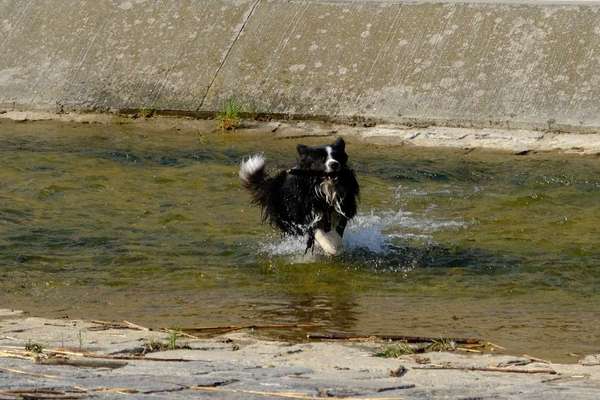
(110, 222)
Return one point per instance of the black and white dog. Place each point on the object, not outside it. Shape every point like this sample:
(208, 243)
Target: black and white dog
(315, 198)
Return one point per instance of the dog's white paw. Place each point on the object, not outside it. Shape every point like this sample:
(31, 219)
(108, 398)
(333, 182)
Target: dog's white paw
(330, 242)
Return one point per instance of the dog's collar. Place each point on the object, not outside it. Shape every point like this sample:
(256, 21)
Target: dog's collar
(311, 172)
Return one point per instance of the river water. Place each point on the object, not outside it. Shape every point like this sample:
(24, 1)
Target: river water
(114, 222)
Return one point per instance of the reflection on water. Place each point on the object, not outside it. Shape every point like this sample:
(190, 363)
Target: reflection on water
(112, 222)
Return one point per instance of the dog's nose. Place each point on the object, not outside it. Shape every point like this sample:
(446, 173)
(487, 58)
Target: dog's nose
(333, 165)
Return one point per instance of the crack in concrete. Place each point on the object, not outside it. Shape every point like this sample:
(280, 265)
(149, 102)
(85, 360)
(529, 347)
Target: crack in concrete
(224, 60)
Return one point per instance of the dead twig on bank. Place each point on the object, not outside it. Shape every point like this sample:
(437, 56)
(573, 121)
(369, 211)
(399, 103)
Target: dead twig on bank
(286, 395)
(77, 392)
(540, 360)
(84, 362)
(116, 390)
(20, 372)
(63, 356)
(106, 325)
(233, 328)
(43, 394)
(494, 345)
(179, 332)
(135, 326)
(491, 369)
(109, 357)
(396, 338)
(467, 350)
(14, 354)
(50, 357)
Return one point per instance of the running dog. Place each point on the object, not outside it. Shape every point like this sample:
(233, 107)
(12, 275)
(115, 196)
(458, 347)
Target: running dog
(316, 198)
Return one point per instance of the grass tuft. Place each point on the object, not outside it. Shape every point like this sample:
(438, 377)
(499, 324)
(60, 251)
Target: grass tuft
(171, 343)
(146, 112)
(441, 344)
(34, 347)
(395, 350)
(229, 118)
(153, 345)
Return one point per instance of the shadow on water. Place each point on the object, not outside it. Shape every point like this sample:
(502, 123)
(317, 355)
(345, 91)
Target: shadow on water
(407, 258)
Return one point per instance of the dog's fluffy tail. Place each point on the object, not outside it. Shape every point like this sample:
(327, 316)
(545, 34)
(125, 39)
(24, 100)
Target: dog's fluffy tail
(252, 172)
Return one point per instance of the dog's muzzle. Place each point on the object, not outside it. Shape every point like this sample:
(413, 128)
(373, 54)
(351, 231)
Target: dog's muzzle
(332, 166)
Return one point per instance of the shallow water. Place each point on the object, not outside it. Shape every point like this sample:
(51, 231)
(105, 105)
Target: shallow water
(114, 222)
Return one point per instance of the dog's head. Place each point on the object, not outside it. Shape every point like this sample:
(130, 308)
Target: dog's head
(329, 159)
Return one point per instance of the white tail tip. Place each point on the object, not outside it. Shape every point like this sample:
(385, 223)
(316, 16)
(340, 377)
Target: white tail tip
(250, 166)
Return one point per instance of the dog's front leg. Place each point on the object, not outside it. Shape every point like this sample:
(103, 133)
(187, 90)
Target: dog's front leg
(329, 237)
(310, 242)
(341, 226)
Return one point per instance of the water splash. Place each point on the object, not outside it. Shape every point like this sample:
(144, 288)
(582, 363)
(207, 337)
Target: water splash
(289, 245)
(374, 232)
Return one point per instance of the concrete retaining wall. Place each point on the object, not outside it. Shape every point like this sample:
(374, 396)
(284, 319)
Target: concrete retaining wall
(470, 64)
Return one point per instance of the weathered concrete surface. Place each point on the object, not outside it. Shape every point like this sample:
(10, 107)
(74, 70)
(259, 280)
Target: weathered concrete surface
(478, 64)
(241, 366)
(113, 54)
(514, 64)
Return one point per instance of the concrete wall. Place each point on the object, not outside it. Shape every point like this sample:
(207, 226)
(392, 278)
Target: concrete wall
(473, 64)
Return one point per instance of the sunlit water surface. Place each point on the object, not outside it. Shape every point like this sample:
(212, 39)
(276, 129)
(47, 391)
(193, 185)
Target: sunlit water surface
(114, 222)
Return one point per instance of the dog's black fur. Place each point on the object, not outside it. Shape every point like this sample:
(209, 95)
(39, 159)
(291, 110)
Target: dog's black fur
(320, 192)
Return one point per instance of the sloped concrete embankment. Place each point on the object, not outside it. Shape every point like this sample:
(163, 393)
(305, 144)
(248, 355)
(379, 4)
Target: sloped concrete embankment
(458, 64)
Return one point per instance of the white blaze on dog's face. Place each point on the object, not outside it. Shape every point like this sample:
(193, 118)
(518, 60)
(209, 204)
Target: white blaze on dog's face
(323, 158)
(331, 164)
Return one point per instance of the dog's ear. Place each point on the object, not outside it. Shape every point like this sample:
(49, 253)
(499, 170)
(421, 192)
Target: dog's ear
(301, 149)
(340, 144)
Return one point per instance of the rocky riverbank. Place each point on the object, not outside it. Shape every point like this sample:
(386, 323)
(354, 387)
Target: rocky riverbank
(72, 359)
